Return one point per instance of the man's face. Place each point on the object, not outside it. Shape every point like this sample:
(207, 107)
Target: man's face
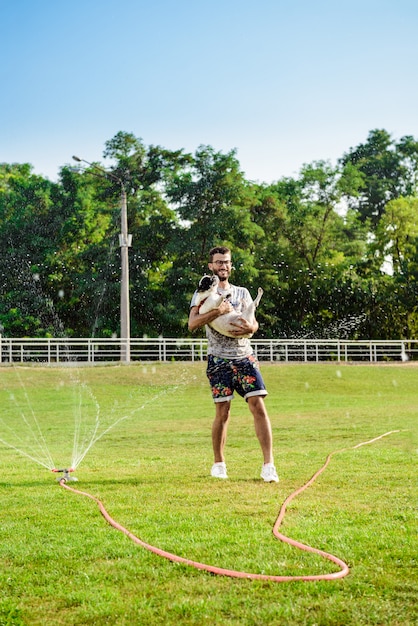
(221, 265)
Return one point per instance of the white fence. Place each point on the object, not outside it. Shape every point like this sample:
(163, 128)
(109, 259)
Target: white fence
(96, 351)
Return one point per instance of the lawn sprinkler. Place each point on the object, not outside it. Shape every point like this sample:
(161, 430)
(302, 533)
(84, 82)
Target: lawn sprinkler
(66, 475)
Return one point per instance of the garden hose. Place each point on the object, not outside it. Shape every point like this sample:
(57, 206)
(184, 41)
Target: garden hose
(343, 571)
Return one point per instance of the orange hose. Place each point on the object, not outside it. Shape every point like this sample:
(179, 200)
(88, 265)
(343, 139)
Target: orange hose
(344, 569)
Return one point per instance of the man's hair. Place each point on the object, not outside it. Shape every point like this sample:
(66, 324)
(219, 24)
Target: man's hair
(218, 250)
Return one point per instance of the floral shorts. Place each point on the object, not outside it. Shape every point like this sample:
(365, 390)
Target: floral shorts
(240, 375)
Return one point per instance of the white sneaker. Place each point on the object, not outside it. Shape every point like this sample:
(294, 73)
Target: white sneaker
(269, 474)
(219, 470)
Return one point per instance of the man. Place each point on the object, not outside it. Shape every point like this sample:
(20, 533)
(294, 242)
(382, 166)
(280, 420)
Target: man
(233, 367)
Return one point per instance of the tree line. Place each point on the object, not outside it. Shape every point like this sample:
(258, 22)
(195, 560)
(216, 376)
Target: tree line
(335, 248)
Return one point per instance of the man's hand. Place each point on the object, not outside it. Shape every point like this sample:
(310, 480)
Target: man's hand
(197, 320)
(225, 307)
(243, 327)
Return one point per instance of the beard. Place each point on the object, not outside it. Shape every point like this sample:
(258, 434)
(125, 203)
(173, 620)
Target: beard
(222, 274)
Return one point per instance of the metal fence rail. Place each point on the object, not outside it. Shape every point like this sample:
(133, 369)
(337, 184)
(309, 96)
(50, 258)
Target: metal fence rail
(96, 351)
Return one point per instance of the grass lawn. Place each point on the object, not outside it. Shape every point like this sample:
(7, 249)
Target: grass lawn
(141, 436)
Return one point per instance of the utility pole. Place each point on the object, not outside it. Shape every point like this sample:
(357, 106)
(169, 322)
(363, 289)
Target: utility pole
(125, 242)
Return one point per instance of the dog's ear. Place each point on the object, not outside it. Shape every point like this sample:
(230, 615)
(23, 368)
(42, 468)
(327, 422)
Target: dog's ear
(205, 283)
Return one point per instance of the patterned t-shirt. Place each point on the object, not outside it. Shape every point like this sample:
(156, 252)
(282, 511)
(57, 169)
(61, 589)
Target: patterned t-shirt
(229, 347)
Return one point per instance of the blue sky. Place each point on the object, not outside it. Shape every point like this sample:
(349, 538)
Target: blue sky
(285, 82)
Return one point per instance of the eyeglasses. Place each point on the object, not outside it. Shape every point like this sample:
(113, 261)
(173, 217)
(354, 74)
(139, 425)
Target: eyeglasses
(220, 263)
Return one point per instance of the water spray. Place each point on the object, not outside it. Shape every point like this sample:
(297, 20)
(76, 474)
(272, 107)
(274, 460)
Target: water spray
(84, 436)
(66, 475)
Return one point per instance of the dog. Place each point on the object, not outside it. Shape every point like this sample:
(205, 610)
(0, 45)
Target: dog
(208, 299)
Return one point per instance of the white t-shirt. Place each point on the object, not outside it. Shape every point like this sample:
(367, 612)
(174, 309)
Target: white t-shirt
(229, 347)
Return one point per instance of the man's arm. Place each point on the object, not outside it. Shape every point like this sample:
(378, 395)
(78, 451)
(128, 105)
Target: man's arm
(197, 320)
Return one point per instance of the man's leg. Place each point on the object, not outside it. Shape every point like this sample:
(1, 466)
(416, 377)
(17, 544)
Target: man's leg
(262, 426)
(219, 429)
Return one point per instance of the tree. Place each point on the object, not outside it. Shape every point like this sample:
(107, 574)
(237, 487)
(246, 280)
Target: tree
(317, 243)
(388, 170)
(213, 203)
(153, 224)
(83, 268)
(139, 167)
(397, 233)
(29, 225)
(396, 244)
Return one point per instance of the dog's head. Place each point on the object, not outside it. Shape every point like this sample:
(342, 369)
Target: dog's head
(207, 283)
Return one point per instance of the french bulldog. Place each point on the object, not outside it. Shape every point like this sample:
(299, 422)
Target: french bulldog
(208, 298)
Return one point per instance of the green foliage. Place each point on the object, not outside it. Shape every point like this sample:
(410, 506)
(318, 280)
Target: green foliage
(388, 170)
(335, 248)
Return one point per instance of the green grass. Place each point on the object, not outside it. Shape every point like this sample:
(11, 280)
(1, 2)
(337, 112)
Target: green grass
(62, 564)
